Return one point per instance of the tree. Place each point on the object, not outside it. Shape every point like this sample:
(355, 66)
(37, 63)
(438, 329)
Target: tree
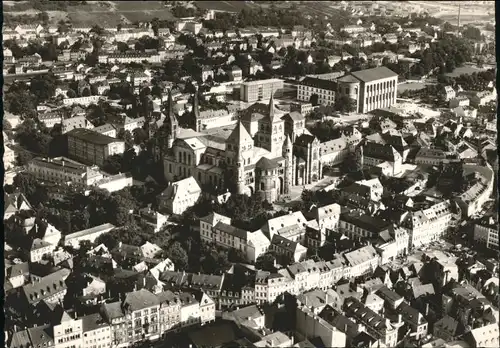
(178, 256)
(154, 26)
(23, 158)
(19, 100)
(98, 30)
(140, 136)
(26, 183)
(112, 164)
(126, 136)
(43, 87)
(472, 33)
(345, 104)
(266, 262)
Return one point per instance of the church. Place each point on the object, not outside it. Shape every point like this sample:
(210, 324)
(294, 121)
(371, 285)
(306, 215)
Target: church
(266, 153)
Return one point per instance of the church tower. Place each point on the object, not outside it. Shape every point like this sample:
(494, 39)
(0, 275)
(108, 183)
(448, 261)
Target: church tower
(239, 153)
(288, 155)
(196, 111)
(171, 124)
(277, 130)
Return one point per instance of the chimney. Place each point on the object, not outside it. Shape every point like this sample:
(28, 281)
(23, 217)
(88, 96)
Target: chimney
(144, 282)
(427, 309)
(400, 318)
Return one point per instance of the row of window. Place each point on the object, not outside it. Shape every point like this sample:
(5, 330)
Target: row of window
(381, 85)
(386, 97)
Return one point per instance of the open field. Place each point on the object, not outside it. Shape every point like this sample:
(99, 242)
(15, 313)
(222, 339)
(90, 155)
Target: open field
(468, 69)
(410, 86)
(98, 12)
(226, 6)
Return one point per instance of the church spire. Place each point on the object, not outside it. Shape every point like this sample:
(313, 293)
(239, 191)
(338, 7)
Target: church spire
(170, 105)
(271, 106)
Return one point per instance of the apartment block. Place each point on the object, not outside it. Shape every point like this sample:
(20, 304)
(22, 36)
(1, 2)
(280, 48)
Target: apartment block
(63, 170)
(92, 147)
(252, 91)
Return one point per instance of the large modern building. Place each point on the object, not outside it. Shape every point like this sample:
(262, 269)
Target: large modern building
(91, 147)
(253, 91)
(371, 88)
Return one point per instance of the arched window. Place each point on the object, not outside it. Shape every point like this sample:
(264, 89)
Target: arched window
(199, 177)
(262, 186)
(189, 158)
(184, 157)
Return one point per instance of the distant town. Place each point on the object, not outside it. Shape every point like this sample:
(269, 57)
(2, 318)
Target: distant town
(250, 174)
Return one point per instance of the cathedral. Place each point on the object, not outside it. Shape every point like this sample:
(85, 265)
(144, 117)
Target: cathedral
(266, 153)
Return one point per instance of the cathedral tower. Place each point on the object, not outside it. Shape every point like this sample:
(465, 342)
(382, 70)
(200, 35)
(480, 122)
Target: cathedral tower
(171, 124)
(277, 130)
(196, 111)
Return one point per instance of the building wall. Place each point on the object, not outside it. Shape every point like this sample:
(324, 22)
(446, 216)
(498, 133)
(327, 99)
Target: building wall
(378, 94)
(486, 235)
(68, 334)
(325, 96)
(100, 337)
(256, 90)
(93, 153)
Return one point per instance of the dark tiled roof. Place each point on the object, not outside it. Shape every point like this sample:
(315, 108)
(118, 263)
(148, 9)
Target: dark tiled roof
(319, 83)
(231, 230)
(90, 136)
(374, 74)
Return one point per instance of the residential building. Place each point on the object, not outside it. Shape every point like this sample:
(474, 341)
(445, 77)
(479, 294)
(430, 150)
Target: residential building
(371, 88)
(483, 98)
(486, 233)
(92, 99)
(75, 122)
(51, 288)
(92, 147)
(291, 226)
(276, 339)
(90, 235)
(40, 249)
(252, 91)
(362, 260)
(485, 336)
(63, 170)
(459, 100)
(68, 332)
(323, 89)
(334, 152)
(431, 156)
(472, 200)
(414, 319)
(293, 251)
(95, 331)
(179, 196)
(375, 324)
(14, 203)
(427, 224)
(106, 129)
(310, 325)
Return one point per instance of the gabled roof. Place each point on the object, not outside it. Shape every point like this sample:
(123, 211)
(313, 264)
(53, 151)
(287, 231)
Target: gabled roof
(374, 74)
(265, 163)
(140, 299)
(239, 135)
